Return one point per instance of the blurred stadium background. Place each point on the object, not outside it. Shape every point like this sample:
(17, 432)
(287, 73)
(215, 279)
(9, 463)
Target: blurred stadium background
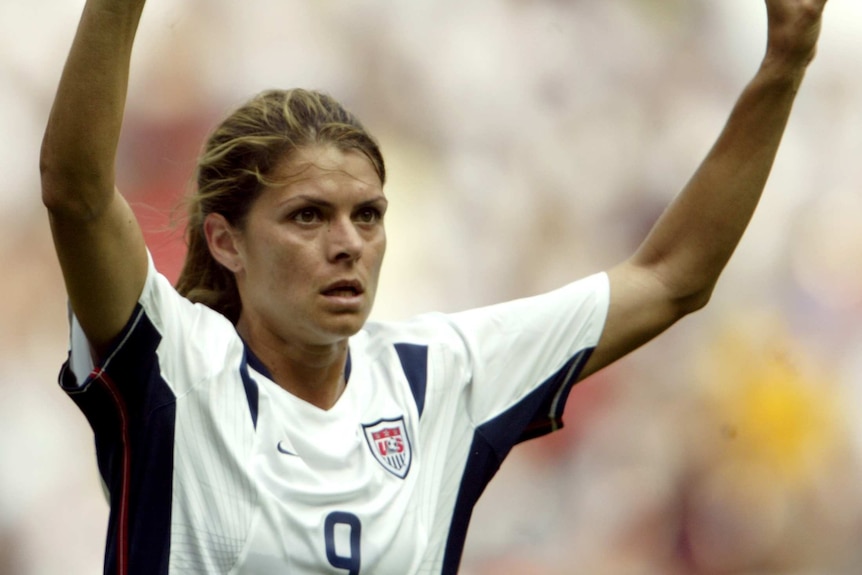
(529, 143)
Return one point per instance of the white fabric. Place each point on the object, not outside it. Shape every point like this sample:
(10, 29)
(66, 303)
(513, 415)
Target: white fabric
(255, 499)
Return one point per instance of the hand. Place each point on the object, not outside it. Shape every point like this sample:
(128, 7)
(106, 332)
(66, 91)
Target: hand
(794, 27)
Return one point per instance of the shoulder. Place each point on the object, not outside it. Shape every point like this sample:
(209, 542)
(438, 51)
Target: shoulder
(189, 332)
(161, 301)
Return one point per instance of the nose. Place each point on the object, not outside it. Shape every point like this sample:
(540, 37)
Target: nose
(345, 240)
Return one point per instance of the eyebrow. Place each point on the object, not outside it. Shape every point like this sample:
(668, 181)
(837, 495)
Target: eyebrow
(316, 201)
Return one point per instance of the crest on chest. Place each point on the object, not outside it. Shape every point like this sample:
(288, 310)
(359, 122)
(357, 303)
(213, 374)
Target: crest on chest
(390, 445)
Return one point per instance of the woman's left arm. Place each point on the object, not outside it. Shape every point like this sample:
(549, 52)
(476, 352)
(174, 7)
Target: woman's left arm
(675, 269)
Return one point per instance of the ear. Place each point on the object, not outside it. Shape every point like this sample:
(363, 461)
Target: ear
(223, 242)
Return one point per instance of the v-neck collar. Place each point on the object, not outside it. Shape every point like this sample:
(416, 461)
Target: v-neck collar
(259, 366)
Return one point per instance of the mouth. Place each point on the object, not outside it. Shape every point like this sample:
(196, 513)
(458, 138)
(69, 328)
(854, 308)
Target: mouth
(343, 289)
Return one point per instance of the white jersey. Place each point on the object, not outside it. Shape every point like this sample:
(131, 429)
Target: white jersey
(212, 468)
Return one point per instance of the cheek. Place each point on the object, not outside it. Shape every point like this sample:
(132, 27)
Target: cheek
(374, 260)
(380, 250)
(294, 265)
(267, 262)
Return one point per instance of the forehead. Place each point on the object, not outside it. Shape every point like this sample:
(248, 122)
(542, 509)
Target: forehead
(327, 167)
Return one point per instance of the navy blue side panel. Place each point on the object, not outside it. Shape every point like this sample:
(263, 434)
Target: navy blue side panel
(414, 361)
(481, 467)
(151, 493)
(537, 414)
(251, 391)
(132, 412)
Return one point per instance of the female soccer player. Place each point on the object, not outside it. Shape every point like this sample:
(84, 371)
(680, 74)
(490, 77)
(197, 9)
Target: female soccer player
(249, 421)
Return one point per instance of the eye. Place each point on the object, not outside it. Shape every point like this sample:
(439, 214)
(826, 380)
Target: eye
(369, 215)
(306, 216)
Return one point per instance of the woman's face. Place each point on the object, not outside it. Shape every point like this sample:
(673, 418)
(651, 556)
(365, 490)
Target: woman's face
(310, 251)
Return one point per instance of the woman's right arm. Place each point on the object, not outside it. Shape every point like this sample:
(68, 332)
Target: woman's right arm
(97, 238)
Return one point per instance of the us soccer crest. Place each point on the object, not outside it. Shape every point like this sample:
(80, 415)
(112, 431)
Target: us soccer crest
(390, 445)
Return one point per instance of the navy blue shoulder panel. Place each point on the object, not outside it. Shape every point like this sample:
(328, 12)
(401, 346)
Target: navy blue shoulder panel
(537, 414)
(414, 361)
(133, 412)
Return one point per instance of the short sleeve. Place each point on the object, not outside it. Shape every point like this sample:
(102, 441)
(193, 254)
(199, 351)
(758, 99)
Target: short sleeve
(168, 341)
(526, 354)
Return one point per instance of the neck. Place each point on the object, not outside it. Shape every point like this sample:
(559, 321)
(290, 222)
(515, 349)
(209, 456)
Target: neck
(312, 373)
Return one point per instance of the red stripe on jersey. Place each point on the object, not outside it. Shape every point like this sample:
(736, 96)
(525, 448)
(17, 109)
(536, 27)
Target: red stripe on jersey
(123, 517)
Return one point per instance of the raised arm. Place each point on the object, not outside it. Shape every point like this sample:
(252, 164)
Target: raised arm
(98, 241)
(675, 269)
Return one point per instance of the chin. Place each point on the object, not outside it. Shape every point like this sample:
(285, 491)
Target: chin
(344, 327)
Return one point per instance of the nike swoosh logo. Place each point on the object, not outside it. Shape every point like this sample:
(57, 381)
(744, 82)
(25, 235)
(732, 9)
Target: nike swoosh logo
(286, 451)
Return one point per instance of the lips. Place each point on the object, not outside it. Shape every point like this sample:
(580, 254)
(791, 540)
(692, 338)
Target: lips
(343, 289)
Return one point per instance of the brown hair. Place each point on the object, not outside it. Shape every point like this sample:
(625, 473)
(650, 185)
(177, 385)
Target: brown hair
(233, 169)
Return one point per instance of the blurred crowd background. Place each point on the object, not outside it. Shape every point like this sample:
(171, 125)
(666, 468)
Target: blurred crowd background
(529, 143)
